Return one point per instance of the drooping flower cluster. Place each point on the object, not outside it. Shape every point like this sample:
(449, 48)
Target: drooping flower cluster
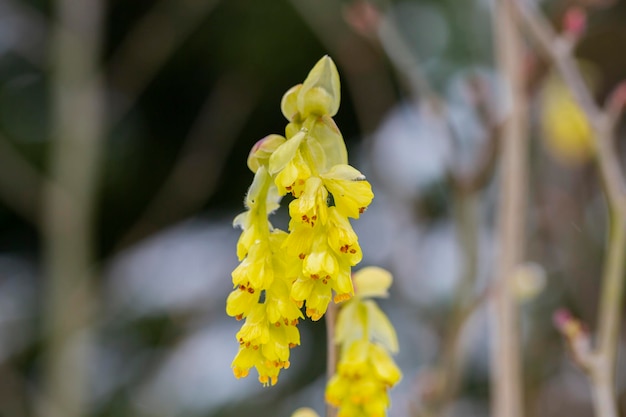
(365, 371)
(280, 271)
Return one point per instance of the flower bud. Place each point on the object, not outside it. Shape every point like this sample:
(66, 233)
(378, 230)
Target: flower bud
(320, 93)
(289, 103)
(575, 22)
(262, 150)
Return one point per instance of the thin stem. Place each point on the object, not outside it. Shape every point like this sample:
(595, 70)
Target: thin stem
(69, 207)
(605, 354)
(557, 51)
(506, 373)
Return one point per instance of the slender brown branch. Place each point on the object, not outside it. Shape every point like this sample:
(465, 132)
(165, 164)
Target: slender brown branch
(69, 206)
(506, 358)
(556, 50)
(600, 362)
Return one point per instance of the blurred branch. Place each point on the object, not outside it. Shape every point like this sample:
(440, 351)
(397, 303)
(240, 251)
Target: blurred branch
(470, 182)
(558, 51)
(203, 155)
(405, 61)
(148, 46)
(600, 362)
(506, 381)
(77, 97)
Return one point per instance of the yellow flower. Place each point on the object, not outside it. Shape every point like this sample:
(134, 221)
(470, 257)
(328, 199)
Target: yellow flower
(311, 207)
(365, 371)
(351, 192)
(567, 134)
(278, 272)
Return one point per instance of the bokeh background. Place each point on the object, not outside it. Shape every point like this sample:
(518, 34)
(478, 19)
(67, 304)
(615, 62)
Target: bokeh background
(189, 86)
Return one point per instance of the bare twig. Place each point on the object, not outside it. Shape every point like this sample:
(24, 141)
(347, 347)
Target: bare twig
(556, 50)
(506, 358)
(69, 206)
(599, 362)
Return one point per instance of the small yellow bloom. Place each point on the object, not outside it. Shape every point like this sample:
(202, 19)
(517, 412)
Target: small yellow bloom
(365, 371)
(351, 192)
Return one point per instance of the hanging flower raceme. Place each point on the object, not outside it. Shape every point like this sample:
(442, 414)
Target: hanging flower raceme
(279, 272)
(365, 371)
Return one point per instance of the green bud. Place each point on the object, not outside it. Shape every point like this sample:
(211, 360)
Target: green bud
(320, 93)
(262, 150)
(289, 103)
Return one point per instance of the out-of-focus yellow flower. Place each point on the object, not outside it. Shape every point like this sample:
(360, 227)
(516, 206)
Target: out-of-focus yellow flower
(529, 279)
(304, 412)
(365, 371)
(566, 134)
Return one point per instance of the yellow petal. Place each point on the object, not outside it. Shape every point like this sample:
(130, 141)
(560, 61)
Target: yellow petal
(262, 150)
(285, 153)
(372, 281)
(289, 103)
(379, 326)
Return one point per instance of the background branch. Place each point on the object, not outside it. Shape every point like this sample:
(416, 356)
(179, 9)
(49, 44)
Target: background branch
(69, 207)
(600, 362)
(506, 379)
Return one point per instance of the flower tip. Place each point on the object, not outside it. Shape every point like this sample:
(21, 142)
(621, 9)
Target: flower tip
(304, 412)
(321, 91)
(262, 150)
(372, 281)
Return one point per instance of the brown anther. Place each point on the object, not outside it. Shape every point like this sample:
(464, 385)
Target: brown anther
(302, 256)
(239, 317)
(305, 218)
(325, 281)
(301, 182)
(286, 321)
(242, 287)
(314, 217)
(315, 276)
(292, 345)
(288, 188)
(344, 248)
(251, 290)
(352, 250)
(255, 347)
(247, 344)
(362, 210)
(277, 324)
